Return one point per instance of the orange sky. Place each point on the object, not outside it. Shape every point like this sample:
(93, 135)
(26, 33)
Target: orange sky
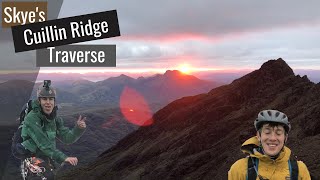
(185, 68)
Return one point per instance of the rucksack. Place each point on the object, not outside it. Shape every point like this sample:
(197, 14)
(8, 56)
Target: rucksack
(17, 149)
(254, 162)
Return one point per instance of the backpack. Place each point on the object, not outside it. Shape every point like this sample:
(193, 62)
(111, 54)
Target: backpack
(254, 162)
(18, 151)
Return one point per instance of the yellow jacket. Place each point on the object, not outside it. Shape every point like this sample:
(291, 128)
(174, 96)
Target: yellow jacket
(271, 169)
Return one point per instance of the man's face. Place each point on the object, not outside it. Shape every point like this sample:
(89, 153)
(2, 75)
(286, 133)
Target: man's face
(272, 139)
(47, 104)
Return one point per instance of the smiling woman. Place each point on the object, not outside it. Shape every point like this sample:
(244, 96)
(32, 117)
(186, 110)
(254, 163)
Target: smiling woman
(269, 158)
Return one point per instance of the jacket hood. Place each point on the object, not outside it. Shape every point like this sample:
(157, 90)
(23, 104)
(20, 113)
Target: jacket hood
(251, 145)
(36, 105)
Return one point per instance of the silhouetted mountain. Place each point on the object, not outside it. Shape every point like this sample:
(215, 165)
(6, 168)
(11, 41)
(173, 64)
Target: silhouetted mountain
(120, 80)
(199, 137)
(172, 85)
(14, 94)
(157, 89)
(68, 84)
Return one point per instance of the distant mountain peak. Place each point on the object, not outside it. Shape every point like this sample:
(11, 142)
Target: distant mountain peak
(270, 71)
(178, 75)
(123, 75)
(172, 73)
(277, 67)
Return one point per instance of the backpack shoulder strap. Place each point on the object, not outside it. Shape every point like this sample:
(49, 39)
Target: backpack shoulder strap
(251, 172)
(25, 110)
(30, 103)
(294, 170)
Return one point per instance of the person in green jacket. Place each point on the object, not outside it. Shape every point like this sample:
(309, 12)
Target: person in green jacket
(269, 157)
(41, 127)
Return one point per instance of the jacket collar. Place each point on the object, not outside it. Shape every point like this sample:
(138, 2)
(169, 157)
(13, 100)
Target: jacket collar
(251, 145)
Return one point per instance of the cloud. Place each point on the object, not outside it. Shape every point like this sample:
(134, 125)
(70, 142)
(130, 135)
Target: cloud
(207, 33)
(247, 51)
(23, 61)
(210, 18)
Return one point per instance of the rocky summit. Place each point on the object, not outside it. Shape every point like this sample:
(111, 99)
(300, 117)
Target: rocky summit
(199, 137)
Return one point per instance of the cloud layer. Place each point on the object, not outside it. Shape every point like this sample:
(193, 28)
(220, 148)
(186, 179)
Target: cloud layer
(222, 34)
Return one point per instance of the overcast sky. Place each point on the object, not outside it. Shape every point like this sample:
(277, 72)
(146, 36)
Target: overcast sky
(225, 34)
(11, 62)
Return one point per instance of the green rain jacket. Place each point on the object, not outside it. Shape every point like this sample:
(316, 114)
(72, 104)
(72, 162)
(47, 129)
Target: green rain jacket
(39, 134)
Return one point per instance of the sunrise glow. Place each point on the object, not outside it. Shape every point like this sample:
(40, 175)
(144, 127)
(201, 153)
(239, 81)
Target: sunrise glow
(184, 68)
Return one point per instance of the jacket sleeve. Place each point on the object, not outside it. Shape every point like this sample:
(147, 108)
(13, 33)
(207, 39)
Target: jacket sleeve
(303, 171)
(65, 134)
(32, 125)
(238, 170)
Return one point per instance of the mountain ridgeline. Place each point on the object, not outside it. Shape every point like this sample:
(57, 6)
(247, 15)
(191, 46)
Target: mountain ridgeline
(199, 137)
(160, 88)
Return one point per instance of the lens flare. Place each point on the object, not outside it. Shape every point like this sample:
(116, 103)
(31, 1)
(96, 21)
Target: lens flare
(134, 107)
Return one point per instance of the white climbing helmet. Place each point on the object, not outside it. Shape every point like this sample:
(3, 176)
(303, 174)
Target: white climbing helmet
(272, 116)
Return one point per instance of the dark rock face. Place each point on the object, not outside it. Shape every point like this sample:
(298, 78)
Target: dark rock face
(199, 137)
(13, 95)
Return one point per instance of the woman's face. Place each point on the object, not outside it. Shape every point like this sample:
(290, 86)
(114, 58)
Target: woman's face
(47, 104)
(272, 139)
